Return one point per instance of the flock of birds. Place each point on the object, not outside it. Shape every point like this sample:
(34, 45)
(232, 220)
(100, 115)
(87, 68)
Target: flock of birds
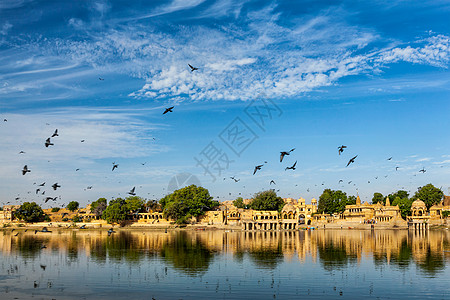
(49, 142)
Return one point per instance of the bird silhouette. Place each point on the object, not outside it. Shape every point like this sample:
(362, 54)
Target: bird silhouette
(423, 170)
(17, 234)
(291, 167)
(25, 170)
(101, 79)
(83, 226)
(55, 186)
(168, 110)
(37, 191)
(234, 178)
(76, 170)
(341, 149)
(42, 184)
(55, 133)
(48, 143)
(192, 68)
(352, 160)
(50, 198)
(115, 166)
(22, 152)
(283, 153)
(110, 231)
(131, 192)
(341, 181)
(258, 167)
(396, 168)
(389, 158)
(272, 182)
(82, 141)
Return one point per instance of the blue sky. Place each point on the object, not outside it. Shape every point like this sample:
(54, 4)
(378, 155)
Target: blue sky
(371, 76)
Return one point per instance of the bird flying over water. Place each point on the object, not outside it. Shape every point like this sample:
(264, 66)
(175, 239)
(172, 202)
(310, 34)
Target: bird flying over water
(48, 143)
(192, 68)
(291, 167)
(258, 167)
(25, 170)
(283, 153)
(352, 160)
(169, 109)
(110, 231)
(55, 133)
(341, 149)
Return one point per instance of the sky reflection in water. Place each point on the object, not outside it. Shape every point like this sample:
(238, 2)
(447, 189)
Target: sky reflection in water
(232, 265)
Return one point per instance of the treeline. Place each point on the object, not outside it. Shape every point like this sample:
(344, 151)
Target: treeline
(334, 202)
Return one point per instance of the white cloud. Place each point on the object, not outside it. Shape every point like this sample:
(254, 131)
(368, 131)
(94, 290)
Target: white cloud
(5, 28)
(423, 159)
(264, 55)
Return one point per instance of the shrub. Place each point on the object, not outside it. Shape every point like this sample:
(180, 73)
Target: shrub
(55, 209)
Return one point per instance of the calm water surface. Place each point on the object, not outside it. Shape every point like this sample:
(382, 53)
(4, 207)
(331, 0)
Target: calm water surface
(330, 264)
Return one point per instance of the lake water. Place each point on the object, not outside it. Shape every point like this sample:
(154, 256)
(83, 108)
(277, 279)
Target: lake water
(134, 264)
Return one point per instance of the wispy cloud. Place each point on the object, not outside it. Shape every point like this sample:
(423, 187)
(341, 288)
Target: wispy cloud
(423, 159)
(234, 63)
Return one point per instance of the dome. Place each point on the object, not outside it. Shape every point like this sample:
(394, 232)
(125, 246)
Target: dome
(288, 207)
(418, 203)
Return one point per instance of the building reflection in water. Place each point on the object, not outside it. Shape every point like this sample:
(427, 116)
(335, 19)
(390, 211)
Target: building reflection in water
(191, 252)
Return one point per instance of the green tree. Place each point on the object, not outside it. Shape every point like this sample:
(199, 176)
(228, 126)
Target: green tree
(30, 212)
(351, 200)
(399, 194)
(331, 201)
(187, 202)
(55, 209)
(378, 197)
(98, 206)
(73, 205)
(404, 204)
(429, 194)
(134, 204)
(153, 205)
(239, 202)
(116, 211)
(267, 200)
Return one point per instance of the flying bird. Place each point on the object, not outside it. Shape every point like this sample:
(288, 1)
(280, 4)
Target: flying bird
(192, 68)
(341, 149)
(272, 182)
(50, 198)
(235, 180)
(131, 192)
(396, 168)
(48, 143)
(25, 170)
(110, 231)
(83, 226)
(101, 78)
(352, 160)
(291, 167)
(82, 141)
(423, 170)
(42, 184)
(55, 186)
(55, 133)
(283, 153)
(22, 152)
(37, 191)
(340, 181)
(389, 158)
(77, 170)
(168, 110)
(115, 166)
(258, 167)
